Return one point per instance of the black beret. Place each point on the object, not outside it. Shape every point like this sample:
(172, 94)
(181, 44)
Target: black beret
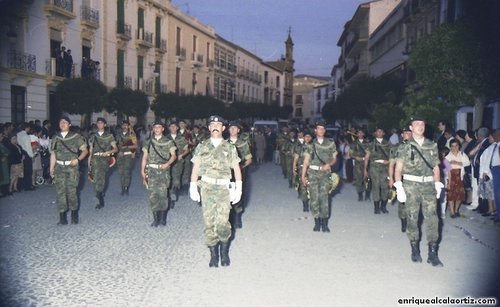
(158, 122)
(101, 119)
(321, 123)
(415, 118)
(66, 118)
(215, 119)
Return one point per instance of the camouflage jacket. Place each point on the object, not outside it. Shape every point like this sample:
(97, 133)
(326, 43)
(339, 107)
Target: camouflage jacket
(413, 163)
(215, 162)
(124, 140)
(358, 149)
(378, 151)
(243, 149)
(320, 153)
(73, 141)
(158, 150)
(102, 143)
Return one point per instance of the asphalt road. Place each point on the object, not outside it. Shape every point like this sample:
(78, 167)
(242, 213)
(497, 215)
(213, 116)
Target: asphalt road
(114, 258)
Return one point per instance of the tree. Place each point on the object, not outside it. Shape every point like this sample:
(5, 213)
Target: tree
(81, 96)
(360, 98)
(127, 101)
(459, 61)
(186, 106)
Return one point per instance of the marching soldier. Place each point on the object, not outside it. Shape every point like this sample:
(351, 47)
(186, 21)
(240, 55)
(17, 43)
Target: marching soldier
(375, 167)
(243, 149)
(186, 171)
(405, 135)
(418, 164)
(358, 153)
(177, 169)
(127, 144)
(281, 140)
(213, 161)
(159, 153)
(67, 150)
(288, 149)
(102, 148)
(304, 139)
(319, 158)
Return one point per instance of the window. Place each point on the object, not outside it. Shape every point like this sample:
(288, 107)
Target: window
(178, 42)
(158, 32)
(18, 103)
(120, 70)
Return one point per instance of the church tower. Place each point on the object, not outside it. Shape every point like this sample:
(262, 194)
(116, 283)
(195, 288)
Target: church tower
(288, 70)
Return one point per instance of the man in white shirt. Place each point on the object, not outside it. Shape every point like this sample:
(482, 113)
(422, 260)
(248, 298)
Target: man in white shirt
(489, 172)
(24, 140)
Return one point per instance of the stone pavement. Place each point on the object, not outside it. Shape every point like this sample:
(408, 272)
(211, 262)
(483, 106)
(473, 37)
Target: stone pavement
(114, 258)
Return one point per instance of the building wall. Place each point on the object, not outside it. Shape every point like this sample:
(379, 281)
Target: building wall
(248, 77)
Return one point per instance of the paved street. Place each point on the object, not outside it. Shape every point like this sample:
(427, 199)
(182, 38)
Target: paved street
(114, 258)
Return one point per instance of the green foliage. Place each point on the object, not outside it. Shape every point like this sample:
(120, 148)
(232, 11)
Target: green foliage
(423, 104)
(169, 105)
(127, 101)
(359, 100)
(81, 96)
(386, 115)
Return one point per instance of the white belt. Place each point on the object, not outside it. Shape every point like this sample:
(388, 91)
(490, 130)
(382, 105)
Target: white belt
(314, 167)
(65, 163)
(98, 154)
(418, 178)
(157, 166)
(127, 153)
(379, 161)
(214, 180)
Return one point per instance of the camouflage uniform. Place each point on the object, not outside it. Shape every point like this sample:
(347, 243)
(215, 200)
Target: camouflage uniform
(99, 163)
(158, 152)
(178, 167)
(358, 150)
(299, 151)
(378, 162)
(215, 164)
(401, 206)
(244, 153)
(288, 151)
(319, 154)
(281, 141)
(125, 158)
(419, 186)
(67, 177)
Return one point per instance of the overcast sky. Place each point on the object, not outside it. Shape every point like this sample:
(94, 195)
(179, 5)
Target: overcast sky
(261, 26)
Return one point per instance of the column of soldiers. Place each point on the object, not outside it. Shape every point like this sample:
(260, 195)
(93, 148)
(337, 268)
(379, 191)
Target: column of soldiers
(358, 154)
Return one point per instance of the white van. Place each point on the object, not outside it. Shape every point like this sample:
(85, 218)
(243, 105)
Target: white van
(262, 124)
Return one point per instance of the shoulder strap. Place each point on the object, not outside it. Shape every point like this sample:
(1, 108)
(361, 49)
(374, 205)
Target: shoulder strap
(420, 154)
(381, 149)
(151, 144)
(97, 142)
(66, 146)
(316, 153)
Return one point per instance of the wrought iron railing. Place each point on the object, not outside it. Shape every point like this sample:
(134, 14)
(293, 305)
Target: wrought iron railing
(66, 5)
(22, 61)
(90, 15)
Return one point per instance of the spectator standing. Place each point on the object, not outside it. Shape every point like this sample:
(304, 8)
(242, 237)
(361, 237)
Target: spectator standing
(16, 158)
(486, 176)
(68, 64)
(495, 171)
(441, 140)
(4, 167)
(24, 140)
(260, 146)
(455, 184)
(481, 145)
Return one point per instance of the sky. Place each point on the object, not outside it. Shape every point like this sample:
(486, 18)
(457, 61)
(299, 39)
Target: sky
(261, 27)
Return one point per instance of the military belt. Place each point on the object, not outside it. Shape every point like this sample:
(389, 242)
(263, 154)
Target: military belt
(153, 165)
(65, 163)
(379, 161)
(418, 178)
(127, 153)
(98, 154)
(215, 180)
(315, 167)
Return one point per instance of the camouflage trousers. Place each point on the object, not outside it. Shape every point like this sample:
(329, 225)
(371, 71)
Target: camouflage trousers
(216, 206)
(318, 190)
(186, 171)
(125, 164)
(177, 170)
(289, 167)
(283, 162)
(67, 179)
(158, 183)
(421, 196)
(100, 169)
(240, 206)
(401, 209)
(378, 174)
(303, 192)
(359, 169)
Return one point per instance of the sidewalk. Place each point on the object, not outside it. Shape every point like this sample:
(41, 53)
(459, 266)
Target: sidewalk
(114, 258)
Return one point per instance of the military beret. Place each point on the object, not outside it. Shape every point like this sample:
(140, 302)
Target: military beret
(158, 122)
(308, 132)
(215, 119)
(406, 129)
(66, 118)
(125, 121)
(101, 119)
(173, 122)
(416, 118)
(235, 123)
(321, 123)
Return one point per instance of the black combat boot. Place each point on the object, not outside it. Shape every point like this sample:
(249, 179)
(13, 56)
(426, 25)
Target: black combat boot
(360, 196)
(163, 217)
(63, 220)
(433, 256)
(383, 206)
(100, 197)
(376, 205)
(317, 224)
(74, 216)
(224, 254)
(403, 225)
(367, 195)
(174, 194)
(123, 191)
(324, 225)
(305, 204)
(156, 218)
(214, 255)
(415, 252)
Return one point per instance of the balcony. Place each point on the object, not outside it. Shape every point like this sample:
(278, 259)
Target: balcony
(90, 17)
(123, 31)
(197, 59)
(60, 8)
(22, 61)
(351, 72)
(144, 38)
(161, 45)
(91, 70)
(124, 82)
(181, 54)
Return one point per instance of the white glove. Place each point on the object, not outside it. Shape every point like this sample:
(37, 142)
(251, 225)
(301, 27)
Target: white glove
(235, 194)
(439, 187)
(193, 191)
(400, 191)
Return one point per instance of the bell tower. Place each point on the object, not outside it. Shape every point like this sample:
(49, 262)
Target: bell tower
(288, 69)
